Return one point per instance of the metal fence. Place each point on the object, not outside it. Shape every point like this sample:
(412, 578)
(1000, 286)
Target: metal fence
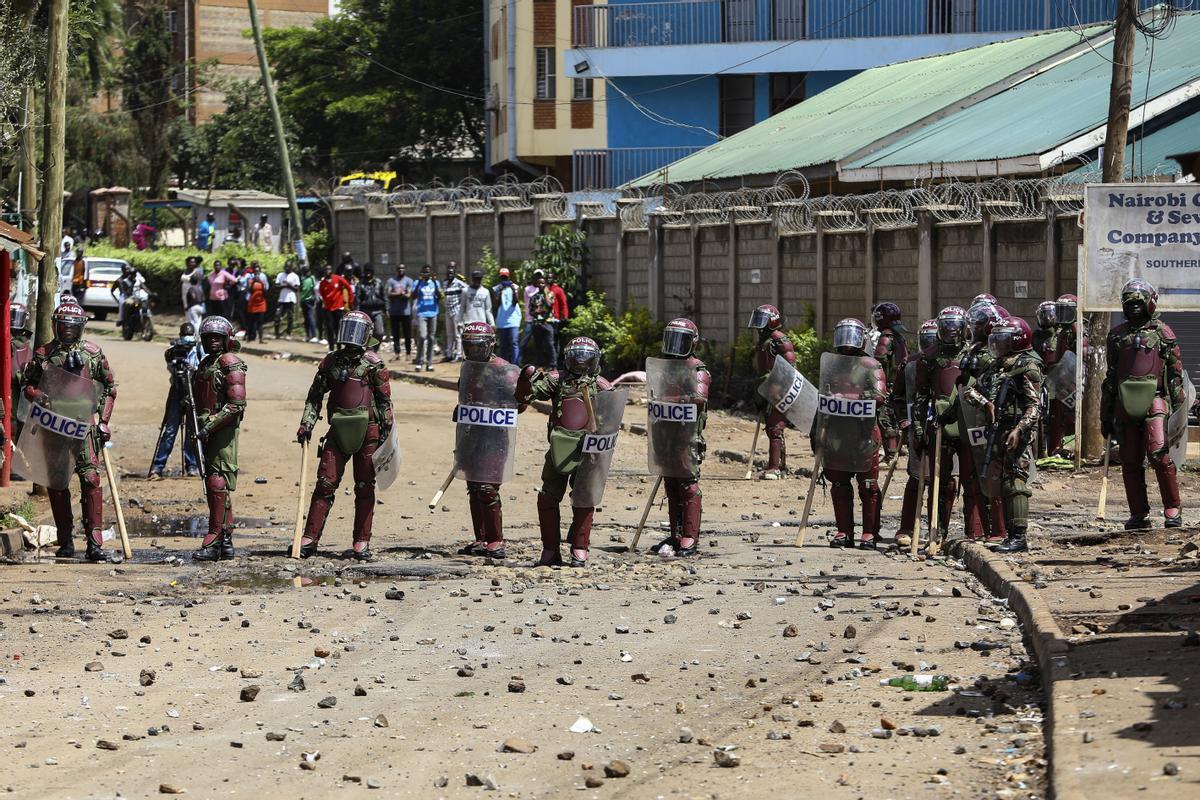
(609, 167)
(716, 21)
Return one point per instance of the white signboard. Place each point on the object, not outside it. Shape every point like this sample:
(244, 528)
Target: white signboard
(1142, 230)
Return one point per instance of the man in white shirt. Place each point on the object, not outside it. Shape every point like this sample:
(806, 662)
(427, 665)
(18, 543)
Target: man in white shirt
(477, 302)
(288, 281)
(263, 235)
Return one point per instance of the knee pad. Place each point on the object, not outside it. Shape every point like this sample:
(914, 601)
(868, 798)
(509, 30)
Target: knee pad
(215, 483)
(325, 488)
(364, 486)
(840, 485)
(690, 490)
(90, 479)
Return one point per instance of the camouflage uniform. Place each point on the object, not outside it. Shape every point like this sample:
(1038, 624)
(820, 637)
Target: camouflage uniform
(219, 389)
(982, 514)
(936, 392)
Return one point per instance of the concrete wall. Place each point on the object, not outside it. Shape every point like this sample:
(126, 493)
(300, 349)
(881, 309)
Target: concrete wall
(721, 272)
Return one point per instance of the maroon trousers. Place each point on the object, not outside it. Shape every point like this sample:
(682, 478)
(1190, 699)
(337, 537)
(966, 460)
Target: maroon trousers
(683, 507)
(91, 497)
(486, 511)
(1139, 441)
(776, 424)
(329, 474)
(869, 493)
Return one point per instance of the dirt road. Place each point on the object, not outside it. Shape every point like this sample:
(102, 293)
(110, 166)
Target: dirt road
(137, 678)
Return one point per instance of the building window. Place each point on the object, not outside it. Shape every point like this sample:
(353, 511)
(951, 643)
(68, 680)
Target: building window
(737, 103)
(171, 23)
(544, 57)
(787, 89)
(581, 89)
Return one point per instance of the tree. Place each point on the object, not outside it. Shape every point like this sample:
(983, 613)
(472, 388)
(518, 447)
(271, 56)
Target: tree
(235, 148)
(146, 78)
(384, 80)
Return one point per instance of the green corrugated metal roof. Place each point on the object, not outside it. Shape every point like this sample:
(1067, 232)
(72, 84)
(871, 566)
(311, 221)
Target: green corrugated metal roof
(1038, 115)
(865, 108)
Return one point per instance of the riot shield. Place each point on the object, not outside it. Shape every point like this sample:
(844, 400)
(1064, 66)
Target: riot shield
(846, 422)
(53, 434)
(672, 418)
(592, 473)
(975, 430)
(1177, 424)
(386, 459)
(486, 439)
(1060, 380)
(787, 390)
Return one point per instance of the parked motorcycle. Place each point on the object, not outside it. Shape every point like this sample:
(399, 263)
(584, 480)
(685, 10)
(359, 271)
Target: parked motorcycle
(137, 319)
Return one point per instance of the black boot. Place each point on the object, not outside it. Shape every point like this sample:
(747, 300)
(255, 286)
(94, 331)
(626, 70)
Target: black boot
(1138, 524)
(1015, 543)
(209, 552)
(94, 553)
(361, 555)
(308, 550)
(670, 541)
(65, 549)
(226, 540)
(1175, 522)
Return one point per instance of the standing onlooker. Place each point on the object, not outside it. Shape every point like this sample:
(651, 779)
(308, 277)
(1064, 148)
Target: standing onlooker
(185, 280)
(562, 312)
(308, 303)
(206, 231)
(219, 287)
(399, 291)
(477, 302)
(285, 306)
(193, 301)
(428, 294)
(526, 296)
(508, 317)
(256, 302)
(263, 235)
(336, 299)
(79, 275)
(242, 273)
(369, 298)
(543, 351)
(453, 291)
(67, 244)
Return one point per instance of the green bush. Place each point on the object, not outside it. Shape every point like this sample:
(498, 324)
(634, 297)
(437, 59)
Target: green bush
(163, 268)
(626, 341)
(319, 245)
(738, 373)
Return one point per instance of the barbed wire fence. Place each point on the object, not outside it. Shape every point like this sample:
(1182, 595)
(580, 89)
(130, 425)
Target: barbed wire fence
(787, 202)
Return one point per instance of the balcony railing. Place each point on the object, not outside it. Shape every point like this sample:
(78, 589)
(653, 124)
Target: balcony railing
(609, 167)
(717, 21)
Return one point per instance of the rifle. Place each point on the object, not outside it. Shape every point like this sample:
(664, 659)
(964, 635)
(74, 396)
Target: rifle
(991, 442)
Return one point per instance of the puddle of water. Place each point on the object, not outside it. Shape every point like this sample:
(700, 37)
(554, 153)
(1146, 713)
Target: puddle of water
(270, 583)
(196, 526)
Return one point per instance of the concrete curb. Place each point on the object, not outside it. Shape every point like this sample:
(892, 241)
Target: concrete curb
(1052, 651)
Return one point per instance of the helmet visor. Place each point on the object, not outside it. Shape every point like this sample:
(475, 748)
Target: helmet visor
(851, 336)
(68, 330)
(927, 339)
(1064, 312)
(1000, 343)
(760, 318)
(951, 330)
(478, 348)
(1047, 315)
(582, 359)
(677, 342)
(18, 318)
(354, 330)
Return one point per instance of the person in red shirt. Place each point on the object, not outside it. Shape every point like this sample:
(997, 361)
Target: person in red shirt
(561, 311)
(337, 296)
(256, 302)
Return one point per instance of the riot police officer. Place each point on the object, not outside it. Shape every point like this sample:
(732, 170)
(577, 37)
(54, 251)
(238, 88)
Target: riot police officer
(772, 342)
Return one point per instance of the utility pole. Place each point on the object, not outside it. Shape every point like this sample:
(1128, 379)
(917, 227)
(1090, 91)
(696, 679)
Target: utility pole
(285, 161)
(1115, 138)
(54, 167)
(29, 175)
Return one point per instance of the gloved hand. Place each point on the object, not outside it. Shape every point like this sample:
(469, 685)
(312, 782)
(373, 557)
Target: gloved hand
(1106, 427)
(204, 433)
(1013, 441)
(303, 433)
(105, 432)
(36, 395)
(948, 417)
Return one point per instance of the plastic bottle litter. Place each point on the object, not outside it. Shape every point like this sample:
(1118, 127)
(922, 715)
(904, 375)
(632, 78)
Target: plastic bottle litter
(919, 683)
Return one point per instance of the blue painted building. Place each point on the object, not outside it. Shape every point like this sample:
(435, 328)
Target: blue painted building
(682, 73)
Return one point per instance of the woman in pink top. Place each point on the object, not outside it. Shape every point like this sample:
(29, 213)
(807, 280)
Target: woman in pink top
(219, 301)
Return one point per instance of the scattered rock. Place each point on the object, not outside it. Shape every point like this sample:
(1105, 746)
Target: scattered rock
(566, 755)
(850, 632)
(170, 788)
(516, 686)
(686, 736)
(393, 594)
(726, 758)
(327, 702)
(887, 724)
(105, 744)
(515, 745)
(1170, 768)
(93, 666)
(119, 633)
(829, 747)
(248, 693)
(616, 769)
(640, 677)
(582, 725)
(297, 684)
(276, 737)
(791, 632)
(837, 727)
(246, 672)
(146, 677)
(593, 781)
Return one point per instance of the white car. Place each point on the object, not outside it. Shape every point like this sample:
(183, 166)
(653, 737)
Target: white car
(100, 274)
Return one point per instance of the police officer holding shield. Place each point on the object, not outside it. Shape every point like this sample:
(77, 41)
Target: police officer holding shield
(574, 396)
(772, 341)
(1143, 386)
(846, 432)
(897, 417)
(678, 387)
(486, 435)
(69, 371)
(360, 418)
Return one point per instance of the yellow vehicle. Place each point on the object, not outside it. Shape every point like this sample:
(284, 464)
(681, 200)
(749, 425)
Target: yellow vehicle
(382, 181)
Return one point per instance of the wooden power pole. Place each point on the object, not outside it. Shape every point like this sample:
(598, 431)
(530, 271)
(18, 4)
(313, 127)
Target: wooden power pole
(285, 161)
(1115, 139)
(53, 167)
